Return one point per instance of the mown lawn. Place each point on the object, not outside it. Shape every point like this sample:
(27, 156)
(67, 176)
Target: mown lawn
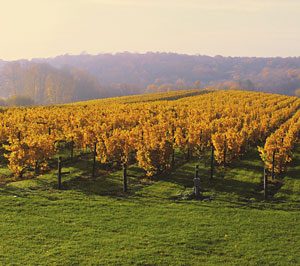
(91, 222)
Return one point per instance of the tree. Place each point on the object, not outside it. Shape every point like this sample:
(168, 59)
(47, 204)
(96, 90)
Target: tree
(152, 88)
(197, 84)
(20, 100)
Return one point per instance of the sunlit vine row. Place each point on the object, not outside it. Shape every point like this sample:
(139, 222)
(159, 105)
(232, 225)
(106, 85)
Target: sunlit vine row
(146, 132)
(277, 151)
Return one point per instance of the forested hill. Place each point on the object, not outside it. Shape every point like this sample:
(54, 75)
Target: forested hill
(70, 78)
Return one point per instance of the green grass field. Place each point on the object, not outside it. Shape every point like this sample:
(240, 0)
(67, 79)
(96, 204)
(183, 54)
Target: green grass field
(91, 222)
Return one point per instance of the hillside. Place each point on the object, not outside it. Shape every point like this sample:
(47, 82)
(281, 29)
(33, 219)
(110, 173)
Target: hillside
(70, 78)
(281, 75)
(156, 144)
(90, 222)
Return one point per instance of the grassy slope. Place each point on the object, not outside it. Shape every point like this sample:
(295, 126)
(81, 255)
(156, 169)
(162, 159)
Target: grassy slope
(92, 222)
(290, 191)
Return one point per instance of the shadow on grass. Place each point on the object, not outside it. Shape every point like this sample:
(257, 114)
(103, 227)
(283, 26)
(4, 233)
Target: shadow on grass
(223, 181)
(107, 181)
(232, 181)
(294, 167)
(232, 185)
(289, 192)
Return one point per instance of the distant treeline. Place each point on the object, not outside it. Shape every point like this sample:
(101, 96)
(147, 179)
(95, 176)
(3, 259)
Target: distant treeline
(17, 100)
(45, 84)
(70, 78)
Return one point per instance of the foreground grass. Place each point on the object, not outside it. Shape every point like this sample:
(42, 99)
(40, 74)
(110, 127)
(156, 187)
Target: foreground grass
(92, 222)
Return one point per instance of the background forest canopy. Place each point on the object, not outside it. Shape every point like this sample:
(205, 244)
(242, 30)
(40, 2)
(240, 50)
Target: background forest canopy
(70, 78)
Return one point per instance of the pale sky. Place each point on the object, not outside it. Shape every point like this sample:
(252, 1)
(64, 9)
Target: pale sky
(46, 28)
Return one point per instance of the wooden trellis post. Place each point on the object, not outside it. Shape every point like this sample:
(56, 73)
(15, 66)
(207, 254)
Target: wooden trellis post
(59, 167)
(94, 159)
(212, 161)
(273, 165)
(265, 177)
(197, 171)
(197, 183)
(125, 181)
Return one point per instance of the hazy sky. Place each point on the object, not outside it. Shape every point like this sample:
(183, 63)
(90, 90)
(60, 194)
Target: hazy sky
(44, 28)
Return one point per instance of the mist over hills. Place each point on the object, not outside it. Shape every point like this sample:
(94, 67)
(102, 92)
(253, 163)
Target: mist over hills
(68, 78)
